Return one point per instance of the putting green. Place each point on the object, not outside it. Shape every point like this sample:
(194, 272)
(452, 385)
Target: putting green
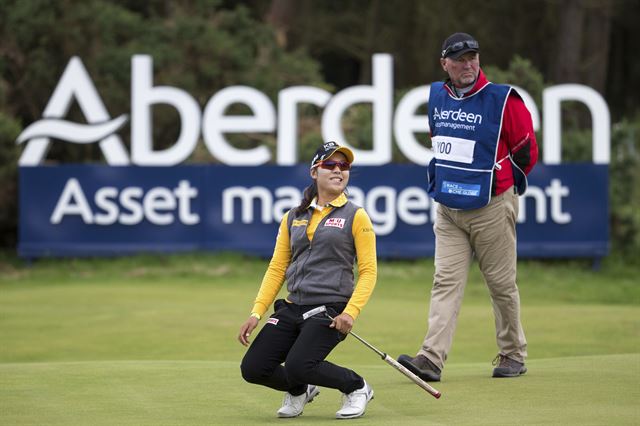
(151, 341)
(572, 390)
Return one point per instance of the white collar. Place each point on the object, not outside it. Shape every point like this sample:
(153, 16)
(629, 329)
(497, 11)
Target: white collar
(315, 205)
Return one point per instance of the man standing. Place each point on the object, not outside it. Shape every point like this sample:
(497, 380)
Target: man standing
(484, 147)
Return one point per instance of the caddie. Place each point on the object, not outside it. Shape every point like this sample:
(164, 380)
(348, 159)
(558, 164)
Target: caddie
(485, 146)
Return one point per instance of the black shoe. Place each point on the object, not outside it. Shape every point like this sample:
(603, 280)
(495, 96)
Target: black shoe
(421, 366)
(507, 367)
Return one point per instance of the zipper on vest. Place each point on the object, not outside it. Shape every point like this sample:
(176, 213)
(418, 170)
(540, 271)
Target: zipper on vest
(308, 255)
(308, 250)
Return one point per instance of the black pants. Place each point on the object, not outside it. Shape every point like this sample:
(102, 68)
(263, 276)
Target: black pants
(303, 346)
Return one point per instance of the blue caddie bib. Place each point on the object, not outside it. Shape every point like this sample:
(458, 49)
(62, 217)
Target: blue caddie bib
(465, 134)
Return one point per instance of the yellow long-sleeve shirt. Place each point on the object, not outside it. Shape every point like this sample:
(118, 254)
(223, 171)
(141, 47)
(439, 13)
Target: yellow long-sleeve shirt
(365, 244)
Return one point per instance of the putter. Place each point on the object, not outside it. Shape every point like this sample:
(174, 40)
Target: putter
(388, 359)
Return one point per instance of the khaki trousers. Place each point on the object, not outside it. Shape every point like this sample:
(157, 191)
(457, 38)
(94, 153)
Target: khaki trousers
(490, 234)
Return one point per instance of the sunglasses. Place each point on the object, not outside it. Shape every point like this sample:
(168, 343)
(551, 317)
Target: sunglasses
(330, 165)
(456, 47)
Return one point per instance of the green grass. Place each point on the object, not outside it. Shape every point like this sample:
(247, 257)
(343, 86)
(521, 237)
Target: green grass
(151, 341)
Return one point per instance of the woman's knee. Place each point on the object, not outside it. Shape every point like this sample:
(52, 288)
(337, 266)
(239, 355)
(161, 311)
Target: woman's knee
(253, 372)
(299, 370)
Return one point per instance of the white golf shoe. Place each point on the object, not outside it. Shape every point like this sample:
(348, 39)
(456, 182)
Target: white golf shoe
(355, 403)
(292, 406)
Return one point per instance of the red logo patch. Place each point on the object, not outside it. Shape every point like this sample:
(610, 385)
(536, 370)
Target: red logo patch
(336, 222)
(273, 321)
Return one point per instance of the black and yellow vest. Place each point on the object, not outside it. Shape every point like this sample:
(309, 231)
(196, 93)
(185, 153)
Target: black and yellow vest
(321, 271)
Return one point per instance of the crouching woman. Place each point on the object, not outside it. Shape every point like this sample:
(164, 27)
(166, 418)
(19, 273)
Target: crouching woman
(316, 249)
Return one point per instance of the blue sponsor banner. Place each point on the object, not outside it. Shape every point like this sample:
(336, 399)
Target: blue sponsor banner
(89, 210)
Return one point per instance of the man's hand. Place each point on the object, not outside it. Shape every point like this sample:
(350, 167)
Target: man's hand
(343, 323)
(246, 329)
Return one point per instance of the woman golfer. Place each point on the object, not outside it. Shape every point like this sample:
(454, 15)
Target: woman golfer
(317, 245)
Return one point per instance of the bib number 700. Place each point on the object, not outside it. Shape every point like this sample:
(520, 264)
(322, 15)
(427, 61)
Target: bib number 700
(443, 147)
(453, 149)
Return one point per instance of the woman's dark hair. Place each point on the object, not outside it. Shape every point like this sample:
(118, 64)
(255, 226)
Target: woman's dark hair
(310, 192)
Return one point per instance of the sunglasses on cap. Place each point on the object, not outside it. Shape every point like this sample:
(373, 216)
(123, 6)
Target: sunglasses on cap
(456, 47)
(330, 165)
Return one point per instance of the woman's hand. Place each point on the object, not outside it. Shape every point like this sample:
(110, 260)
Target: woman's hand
(343, 323)
(246, 330)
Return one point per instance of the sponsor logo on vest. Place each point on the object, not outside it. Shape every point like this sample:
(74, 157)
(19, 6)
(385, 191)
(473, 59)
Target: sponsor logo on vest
(460, 188)
(273, 321)
(457, 115)
(336, 222)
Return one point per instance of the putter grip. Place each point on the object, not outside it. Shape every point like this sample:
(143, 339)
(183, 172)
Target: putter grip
(417, 380)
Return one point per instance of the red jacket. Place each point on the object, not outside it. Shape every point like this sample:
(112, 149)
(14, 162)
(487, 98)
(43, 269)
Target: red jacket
(516, 137)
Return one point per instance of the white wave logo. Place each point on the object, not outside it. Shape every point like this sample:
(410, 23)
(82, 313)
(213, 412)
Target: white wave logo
(75, 84)
(71, 132)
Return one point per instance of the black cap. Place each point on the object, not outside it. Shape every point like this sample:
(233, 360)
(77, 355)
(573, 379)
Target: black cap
(328, 149)
(458, 44)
